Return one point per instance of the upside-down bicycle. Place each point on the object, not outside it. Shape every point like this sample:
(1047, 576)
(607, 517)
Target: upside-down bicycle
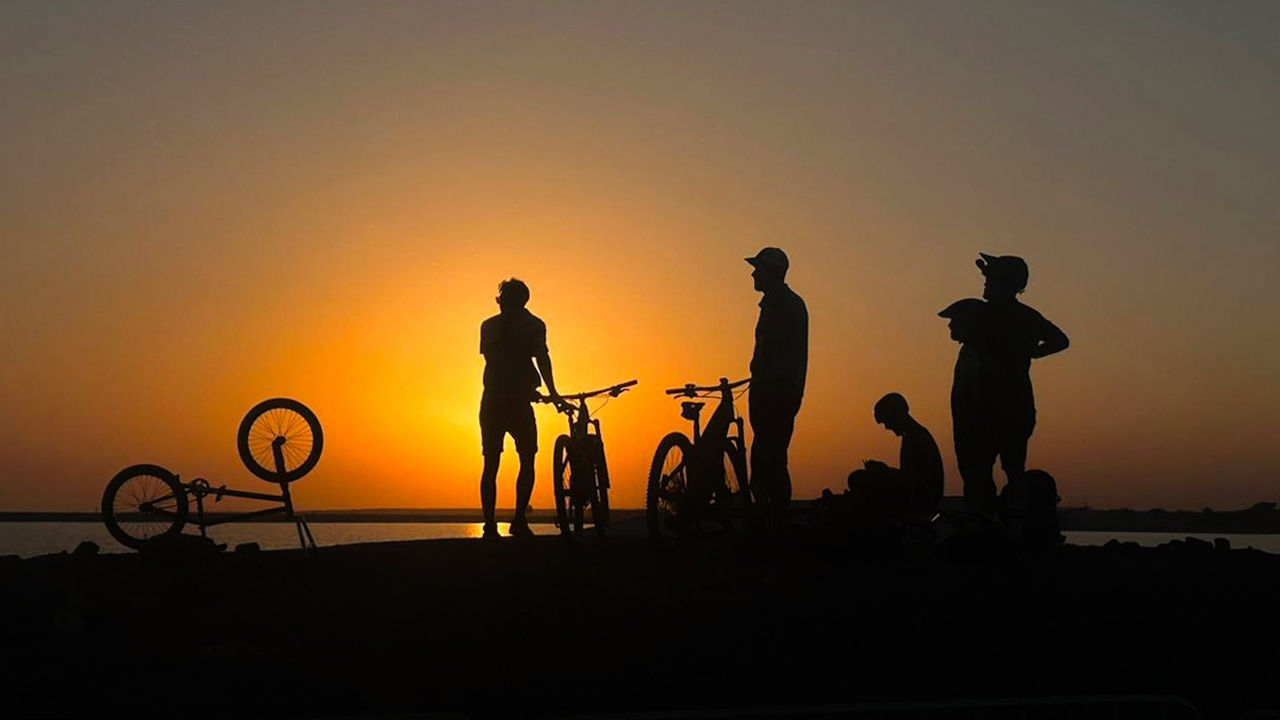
(578, 464)
(279, 441)
(693, 482)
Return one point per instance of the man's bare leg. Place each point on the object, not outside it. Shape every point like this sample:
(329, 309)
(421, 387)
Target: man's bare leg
(489, 489)
(524, 486)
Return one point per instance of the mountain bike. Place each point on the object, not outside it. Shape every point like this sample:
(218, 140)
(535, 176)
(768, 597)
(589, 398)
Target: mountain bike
(703, 480)
(279, 441)
(578, 464)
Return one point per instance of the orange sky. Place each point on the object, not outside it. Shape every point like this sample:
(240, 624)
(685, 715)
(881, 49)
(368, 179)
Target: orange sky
(204, 206)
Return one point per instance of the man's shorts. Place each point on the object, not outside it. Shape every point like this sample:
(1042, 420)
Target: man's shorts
(500, 416)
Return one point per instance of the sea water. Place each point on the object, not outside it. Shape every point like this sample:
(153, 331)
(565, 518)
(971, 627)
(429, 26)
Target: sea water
(28, 539)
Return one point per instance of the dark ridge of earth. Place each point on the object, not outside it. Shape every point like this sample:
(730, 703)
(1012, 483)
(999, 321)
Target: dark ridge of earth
(543, 627)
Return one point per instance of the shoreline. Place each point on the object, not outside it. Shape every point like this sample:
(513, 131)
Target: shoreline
(450, 515)
(1260, 519)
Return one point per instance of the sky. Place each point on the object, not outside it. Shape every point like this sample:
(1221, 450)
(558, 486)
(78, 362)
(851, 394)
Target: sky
(203, 205)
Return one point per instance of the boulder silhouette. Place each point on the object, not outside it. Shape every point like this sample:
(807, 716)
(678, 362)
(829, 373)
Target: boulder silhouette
(179, 546)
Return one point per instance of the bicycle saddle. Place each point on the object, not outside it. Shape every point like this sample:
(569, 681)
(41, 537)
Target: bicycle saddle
(690, 410)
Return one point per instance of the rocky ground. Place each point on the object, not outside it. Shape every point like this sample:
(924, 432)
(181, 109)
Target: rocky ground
(544, 627)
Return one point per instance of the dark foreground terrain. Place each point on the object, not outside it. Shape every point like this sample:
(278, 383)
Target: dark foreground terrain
(542, 627)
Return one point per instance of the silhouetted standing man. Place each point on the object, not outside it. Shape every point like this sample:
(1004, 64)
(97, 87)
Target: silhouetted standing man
(992, 405)
(778, 369)
(512, 342)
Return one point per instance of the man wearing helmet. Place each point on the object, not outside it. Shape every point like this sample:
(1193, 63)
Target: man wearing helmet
(992, 405)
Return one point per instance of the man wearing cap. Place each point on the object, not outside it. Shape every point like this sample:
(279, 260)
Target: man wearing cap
(778, 368)
(992, 404)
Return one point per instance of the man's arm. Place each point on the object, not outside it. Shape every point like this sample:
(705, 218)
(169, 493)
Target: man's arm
(544, 368)
(1053, 341)
(542, 358)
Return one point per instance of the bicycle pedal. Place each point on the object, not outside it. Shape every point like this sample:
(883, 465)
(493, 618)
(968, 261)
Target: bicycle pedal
(217, 495)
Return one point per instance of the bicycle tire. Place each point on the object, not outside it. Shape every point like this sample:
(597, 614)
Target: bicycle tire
(584, 460)
(600, 509)
(130, 492)
(734, 501)
(582, 480)
(735, 461)
(293, 426)
(561, 483)
(667, 514)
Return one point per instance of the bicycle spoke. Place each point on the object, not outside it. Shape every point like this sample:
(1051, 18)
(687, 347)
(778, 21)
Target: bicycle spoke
(140, 505)
(279, 428)
(292, 456)
(278, 423)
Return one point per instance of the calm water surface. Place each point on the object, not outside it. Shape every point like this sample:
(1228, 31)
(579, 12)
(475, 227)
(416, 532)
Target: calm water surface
(29, 539)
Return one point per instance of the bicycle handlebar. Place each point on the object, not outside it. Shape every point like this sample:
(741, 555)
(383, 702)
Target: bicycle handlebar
(612, 391)
(691, 390)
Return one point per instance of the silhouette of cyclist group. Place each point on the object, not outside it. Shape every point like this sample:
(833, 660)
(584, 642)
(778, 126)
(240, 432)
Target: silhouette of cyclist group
(992, 404)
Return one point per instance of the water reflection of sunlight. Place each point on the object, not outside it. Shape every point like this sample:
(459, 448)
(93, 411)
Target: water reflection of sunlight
(475, 530)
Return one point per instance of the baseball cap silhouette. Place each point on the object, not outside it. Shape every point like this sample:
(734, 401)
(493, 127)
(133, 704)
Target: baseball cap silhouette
(770, 256)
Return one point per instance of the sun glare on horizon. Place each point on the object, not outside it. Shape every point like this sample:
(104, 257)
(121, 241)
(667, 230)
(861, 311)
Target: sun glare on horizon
(218, 207)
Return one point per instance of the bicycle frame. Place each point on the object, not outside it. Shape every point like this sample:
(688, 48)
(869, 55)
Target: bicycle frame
(145, 500)
(709, 443)
(580, 420)
(584, 459)
(200, 489)
(722, 418)
(581, 425)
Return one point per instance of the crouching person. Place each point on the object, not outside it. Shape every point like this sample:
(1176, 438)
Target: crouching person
(879, 493)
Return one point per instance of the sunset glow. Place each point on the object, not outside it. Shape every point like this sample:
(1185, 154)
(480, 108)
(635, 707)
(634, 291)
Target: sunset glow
(206, 206)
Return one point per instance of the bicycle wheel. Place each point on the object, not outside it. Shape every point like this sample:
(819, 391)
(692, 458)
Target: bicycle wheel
(735, 471)
(582, 480)
(600, 506)
(665, 499)
(280, 440)
(142, 502)
(560, 472)
(733, 499)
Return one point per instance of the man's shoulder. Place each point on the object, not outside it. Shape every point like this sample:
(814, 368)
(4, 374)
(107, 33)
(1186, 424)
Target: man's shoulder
(519, 319)
(532, 324)
(532, 330)
(920, 433)
(491, 327)
(1026, 309)
(788, 298)
(1012, 311)
(1030, 317)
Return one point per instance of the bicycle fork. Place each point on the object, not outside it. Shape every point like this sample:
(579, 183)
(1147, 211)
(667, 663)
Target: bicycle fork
(305, 539)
